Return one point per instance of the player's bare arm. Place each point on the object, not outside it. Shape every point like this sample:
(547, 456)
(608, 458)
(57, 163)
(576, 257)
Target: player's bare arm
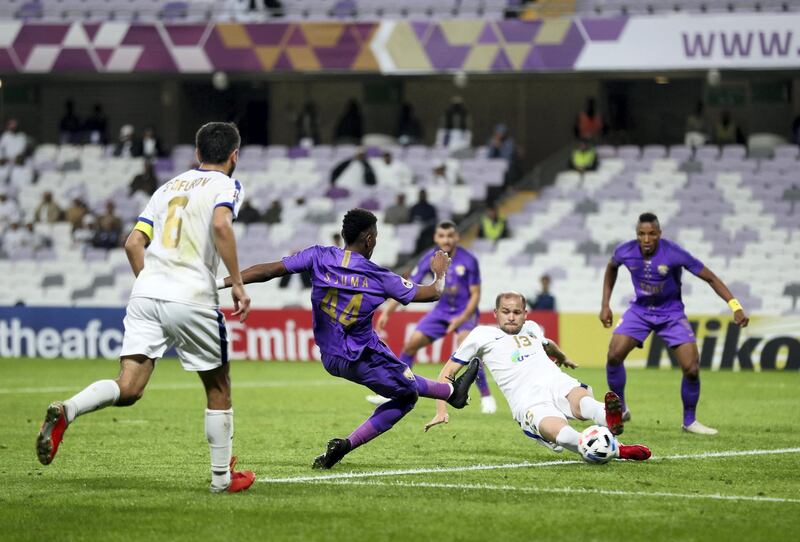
(472, 305)
(433, 291)
(722, 290)
(447, 374)
(135, 245)
(261, 272)
(225, 241)
(388, 308)
(558, 356)
(609, 280)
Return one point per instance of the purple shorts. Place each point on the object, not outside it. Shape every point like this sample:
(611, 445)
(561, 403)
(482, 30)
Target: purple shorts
(673, 327)
(434, 324)
(379, 370)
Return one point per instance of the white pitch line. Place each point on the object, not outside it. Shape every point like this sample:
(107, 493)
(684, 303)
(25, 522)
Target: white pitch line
(564, 490)
(184, 386)
(521, 465)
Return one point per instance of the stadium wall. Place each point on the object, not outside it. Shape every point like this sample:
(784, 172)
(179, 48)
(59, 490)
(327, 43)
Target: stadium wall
(770, 343)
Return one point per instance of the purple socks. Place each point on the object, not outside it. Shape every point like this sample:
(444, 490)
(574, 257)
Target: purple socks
(690, 395)
(482, 383)
(615, 374)
(408, 360)
(383, 419)
(432, 389)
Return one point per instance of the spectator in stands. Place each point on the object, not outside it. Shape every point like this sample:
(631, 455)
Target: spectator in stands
(501, 145)
(69, 127)
(127, 146)
(273, 213)
(409, 129)
(354, 173)
(16, 239)
(307, 126)
(145, 182)
(96, 126)
(391, 173)
(493, 225)
(422, 211)
(21, 173)
(726, 131)
(13, 143)
(36, 239)
(589, 125)
(151, 144)
(792, 195)
(9, 211)
(583, 157)
(456, 126)
(442, 174)
(108, 231)
(796, 130)
(336, 240)
(696, 127)
(398, 213)
(48, 211)
(544, 300)
(350, 128)
(248, 214)
(76, 213)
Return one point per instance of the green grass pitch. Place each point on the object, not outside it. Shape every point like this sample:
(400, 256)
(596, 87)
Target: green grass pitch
(141, 473)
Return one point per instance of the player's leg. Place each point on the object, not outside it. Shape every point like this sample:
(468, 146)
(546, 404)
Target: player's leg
(144, 341)
(584, 406)
(203, 348)
(488, 404)
(556, 429)
(689, 360)
(414, 343)
(631, 331)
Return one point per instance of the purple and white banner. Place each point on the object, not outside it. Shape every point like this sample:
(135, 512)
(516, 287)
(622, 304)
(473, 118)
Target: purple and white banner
(752, 41)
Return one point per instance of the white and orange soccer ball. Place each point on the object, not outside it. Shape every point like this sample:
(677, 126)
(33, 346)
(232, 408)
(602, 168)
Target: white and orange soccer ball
(597, 445)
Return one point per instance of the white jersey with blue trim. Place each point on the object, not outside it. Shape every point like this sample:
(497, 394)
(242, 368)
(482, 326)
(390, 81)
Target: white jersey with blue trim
(180, 264)
(518, 363)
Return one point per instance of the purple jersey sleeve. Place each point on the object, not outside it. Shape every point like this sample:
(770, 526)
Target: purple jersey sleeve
(301, 261)
(422, 268)
(618, 254)
(399, 288)
(685, 259)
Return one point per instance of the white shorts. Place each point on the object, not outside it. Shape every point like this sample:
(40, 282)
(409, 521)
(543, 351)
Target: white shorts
(547, 401)
(198, 333)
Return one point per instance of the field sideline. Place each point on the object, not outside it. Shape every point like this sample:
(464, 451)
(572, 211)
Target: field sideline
(142, 472)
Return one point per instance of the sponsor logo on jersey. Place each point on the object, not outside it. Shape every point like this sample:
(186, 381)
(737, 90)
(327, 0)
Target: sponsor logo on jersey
(663, 270)
(518, 357)
(460, 270)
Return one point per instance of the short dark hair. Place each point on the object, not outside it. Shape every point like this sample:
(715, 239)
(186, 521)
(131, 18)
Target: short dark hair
(648, 217)
(501, 295)
(355, 222)
(216, 141)
(446, 225)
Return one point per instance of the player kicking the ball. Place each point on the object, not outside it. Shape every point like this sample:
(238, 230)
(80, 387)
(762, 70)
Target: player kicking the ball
(656, 265)
(346, 289)
(541, 397)
(174, 251)
(456, 312)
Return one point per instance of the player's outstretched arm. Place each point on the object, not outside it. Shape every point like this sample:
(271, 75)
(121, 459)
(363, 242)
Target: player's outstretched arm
(135, 245)
(609, 280)
(722, 290)
(261, 272)
(440, 262)
(447, 374)
(559, 357)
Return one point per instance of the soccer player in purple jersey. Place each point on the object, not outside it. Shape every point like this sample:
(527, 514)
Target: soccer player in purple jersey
(346, 289)
(456, 311)
(655, 265)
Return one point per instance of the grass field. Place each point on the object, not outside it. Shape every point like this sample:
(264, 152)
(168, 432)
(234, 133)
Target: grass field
(142, 472)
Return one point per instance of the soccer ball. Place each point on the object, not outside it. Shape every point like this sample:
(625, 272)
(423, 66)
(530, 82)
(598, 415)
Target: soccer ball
(597, 445)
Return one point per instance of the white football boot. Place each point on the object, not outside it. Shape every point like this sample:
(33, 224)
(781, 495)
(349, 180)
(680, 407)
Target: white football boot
(699, 429)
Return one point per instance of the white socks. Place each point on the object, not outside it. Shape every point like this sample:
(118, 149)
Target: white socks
(592, 409)
(568, 438)
(99, 395)
(219, 432)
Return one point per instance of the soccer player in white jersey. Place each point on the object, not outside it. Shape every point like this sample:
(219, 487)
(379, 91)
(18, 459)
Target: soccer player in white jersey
(174, 251)
(542, 397)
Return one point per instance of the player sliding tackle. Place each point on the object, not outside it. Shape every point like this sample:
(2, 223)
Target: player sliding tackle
(541, 397)
(347, 288)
